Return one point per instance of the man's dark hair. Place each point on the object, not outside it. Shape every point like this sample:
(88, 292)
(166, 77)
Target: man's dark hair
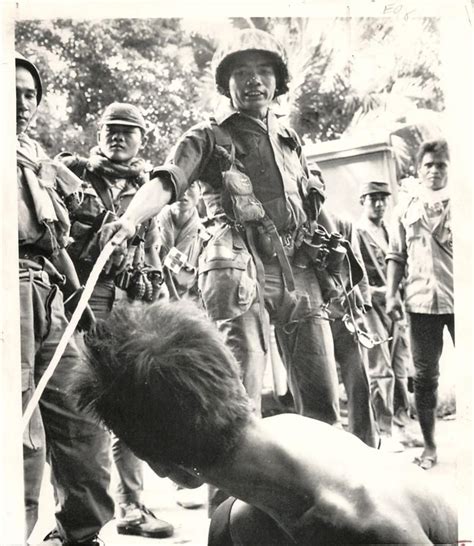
(437, 147)
(162, 379)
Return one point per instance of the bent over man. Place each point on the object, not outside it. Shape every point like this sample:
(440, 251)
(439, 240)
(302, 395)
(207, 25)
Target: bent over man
(165, 382)
(262, 198)
(57, 430)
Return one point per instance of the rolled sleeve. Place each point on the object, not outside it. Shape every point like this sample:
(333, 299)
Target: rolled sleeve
(175, 176)
(397, 248)
(187, 161)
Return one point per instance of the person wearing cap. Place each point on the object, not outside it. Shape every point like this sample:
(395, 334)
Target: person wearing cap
(111, 176)
(58, 430)
(390, 360)
(260, 196)
(421, 241)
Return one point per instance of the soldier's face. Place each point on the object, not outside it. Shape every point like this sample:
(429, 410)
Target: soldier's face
(190, 198)
(252, 83)
(26, 99)
(375, 205)
(119, 143)
(433, 171)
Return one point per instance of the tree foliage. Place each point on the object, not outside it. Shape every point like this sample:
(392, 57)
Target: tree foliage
(86, 65)
(349, 76)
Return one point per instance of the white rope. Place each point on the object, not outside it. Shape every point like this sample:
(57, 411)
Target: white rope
(68, 332)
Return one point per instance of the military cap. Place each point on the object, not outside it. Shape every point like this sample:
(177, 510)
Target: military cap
(121, 113)
(374, 187)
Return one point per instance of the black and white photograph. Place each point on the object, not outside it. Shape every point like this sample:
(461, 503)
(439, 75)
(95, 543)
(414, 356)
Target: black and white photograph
(236, 273)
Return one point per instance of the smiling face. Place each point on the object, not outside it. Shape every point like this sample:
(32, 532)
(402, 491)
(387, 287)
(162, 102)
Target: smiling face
(119, 143)
(433, 171)
(26, 99)
(252, 83)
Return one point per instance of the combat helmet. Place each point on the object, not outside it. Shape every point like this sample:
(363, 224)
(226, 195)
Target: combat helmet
(20, 60)
(250, 40)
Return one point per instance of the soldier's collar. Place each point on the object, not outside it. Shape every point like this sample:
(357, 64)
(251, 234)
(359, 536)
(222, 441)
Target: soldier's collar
(225, 111)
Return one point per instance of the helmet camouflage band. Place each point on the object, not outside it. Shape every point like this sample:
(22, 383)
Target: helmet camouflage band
(250, 40)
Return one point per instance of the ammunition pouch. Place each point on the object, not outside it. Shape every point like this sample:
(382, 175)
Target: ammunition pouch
(227, 277)
(238, 199)
(37, 266)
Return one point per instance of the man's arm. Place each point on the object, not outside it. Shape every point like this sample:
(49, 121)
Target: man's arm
(168, 183)
(396, 259)
(393, 305)
(147, 202)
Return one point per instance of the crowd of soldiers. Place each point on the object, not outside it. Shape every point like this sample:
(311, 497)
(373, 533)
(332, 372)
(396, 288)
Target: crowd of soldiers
(236, 222)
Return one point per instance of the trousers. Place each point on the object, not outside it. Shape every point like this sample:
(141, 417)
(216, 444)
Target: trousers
(388, 365)
(58, 431)
(426, 333)
(352, 362)
(304, 340)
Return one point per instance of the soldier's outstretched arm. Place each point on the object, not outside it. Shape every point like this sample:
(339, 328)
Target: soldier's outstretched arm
(147, 202)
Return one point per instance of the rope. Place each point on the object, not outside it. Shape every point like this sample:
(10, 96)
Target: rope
(68, 332)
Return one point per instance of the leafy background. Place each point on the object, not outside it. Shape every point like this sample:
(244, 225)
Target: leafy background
(350, 77)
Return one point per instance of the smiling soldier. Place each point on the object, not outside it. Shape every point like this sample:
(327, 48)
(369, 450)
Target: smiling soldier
(261, 199)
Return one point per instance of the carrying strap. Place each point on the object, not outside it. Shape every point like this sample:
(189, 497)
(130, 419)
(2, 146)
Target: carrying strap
(100, 188)
(224, 140)
(250, 232)
(370, 252)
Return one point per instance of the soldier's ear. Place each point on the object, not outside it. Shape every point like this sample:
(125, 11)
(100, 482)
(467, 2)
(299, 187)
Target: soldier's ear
(144, 140)
(98, 136)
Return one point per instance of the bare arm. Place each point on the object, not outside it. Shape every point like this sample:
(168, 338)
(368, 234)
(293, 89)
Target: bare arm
(393, 306)
(147, 202)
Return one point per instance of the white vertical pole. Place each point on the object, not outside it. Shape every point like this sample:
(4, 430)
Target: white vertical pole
(12, 519)
(457, 68)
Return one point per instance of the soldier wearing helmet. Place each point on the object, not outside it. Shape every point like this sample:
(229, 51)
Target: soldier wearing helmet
(57, 426)
(260, 196)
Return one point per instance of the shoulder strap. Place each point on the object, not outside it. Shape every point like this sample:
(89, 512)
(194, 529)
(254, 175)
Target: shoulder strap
(221, 135)
(370, 252)
(101, 189)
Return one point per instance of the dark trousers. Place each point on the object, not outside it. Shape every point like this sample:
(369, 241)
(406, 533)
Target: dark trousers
(76, 447)
(426, 332)
(352, 363)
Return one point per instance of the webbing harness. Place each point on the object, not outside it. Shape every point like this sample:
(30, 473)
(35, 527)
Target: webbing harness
(224, 140)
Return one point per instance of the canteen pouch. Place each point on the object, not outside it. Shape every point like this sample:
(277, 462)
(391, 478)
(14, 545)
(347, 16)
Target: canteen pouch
(227, 277)
(238, 199)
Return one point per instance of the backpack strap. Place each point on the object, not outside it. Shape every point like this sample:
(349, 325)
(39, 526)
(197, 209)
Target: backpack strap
(100, 188)
(223, 140)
